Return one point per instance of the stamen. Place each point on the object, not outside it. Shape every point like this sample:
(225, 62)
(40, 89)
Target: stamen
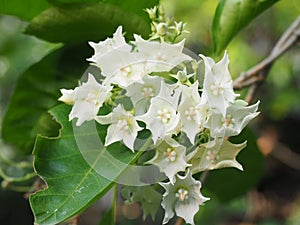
(182, 194)
(164, 115)
(217, 89)
(228, 121)
(190, 113)
(147, 92)
(170, 155)
(126, 71)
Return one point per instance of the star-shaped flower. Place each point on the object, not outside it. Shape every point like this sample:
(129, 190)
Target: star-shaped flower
(217, 86)
(182, 198)
(68, 96)
(215, 154)
(170, 158)
(87, 99)
(123, 126)
(160, 56)
(119, 64)
(162, 118)
(190, 116)
(111, 53)
(237, 116)
(141, 94)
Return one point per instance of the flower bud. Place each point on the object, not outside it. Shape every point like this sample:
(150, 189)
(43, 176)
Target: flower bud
(182, 77)
(162, 29)
(152, 12)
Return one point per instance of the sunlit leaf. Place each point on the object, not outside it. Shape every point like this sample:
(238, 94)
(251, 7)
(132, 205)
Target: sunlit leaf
(64, 2)
(91, 21)
(232, 16)
(72, 183)
(25, 9)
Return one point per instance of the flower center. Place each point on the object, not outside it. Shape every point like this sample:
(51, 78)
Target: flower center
(126, 71)
(190, 113)
(182, 194)
(170, 155)
(123, 124)
(216, 89)
(211, 156)
(147, 92)
(164, 115)
(228, 121)
(160, 57)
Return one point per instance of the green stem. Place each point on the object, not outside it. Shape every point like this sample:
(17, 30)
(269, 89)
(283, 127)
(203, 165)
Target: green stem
(114, 204)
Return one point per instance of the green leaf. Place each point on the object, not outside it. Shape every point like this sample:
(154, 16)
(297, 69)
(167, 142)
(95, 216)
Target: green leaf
(37, 91)
(70, 169)
(91, 22)
(229, 183)
(65, 2)
(231, 16)
(25, 9)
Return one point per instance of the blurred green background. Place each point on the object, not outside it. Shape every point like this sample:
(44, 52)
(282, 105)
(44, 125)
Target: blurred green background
(276, 198)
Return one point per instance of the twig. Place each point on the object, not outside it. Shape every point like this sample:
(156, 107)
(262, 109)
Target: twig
(286, 156)
(255, 76)
(179, 221)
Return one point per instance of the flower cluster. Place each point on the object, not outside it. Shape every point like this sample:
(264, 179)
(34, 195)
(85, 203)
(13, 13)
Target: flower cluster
(158, 89)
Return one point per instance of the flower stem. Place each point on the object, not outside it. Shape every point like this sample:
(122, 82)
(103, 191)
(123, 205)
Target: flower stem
(179, 221)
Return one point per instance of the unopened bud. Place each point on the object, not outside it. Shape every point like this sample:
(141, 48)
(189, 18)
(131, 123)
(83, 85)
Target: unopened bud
(152, 12)
(162, 29)
(181, 76)
(179, 27)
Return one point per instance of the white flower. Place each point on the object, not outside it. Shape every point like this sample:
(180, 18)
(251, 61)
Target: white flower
(141, 94)
(162, 118)
(123, 126)
(190, 116)
(237, 116)
(203, 111)
(170, 158)
(117, 61)
(217, 86)
(215, 154)
(160, 56)
(87, 98)
(68, 96)
(108, 53)
(129, 71)
(183, 198)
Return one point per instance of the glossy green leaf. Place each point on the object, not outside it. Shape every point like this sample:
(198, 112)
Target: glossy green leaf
(37, 91)
(65, 2)
(25, 9)
(91, 22)
(231, 16)
(70, 169)
(229, 183)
